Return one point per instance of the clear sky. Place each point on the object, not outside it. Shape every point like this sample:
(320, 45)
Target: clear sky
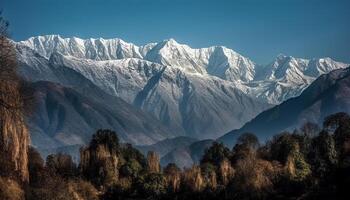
(258, 29)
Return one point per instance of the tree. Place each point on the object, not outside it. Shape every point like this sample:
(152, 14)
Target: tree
(99, 161)
(153, 162)
(285, 148)
(171, 168)
(8, 61)
(281, 146)
(81, 189)
(132, 163)
(247, 143)
(152, 185)
(208, 171)
(10, 190)
(249, 140)
(128, 152)
(253, 178)
(36, 166)
(172, 174)
(310, 129)
(105, 137)
(61, 164)
(337, 120)
(323, 155)
(216, 154)
(132, 168)
(297, 167)
(14, 136)
(192, 179)
(340, 123)
(226, 172)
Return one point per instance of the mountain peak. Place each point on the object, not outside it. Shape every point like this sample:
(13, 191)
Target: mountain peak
(169, 42)
(281, 56)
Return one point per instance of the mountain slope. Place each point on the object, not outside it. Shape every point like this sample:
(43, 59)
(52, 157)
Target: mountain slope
(63, 117)
(165, 146)
(329, 94)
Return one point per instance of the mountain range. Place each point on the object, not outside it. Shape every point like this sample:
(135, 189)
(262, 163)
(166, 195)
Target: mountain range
(165, 89)
(189, 103)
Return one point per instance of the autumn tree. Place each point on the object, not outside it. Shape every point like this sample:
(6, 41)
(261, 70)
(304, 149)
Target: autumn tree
(172, 174)
(208, 171)
(14, 136)
(226, 172)
(253, 178)
(61, 164)
(153, 162)
(192, 179)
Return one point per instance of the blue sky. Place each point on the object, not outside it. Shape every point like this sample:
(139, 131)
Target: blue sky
(259, 29)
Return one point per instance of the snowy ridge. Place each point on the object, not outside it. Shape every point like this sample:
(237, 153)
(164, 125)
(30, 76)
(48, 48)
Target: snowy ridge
(269, 83)
(218, 61)
(287, 77)
(95, 49)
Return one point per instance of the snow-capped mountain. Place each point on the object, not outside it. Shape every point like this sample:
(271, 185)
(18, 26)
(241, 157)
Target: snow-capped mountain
(201, 93)
(287, 77)
(95, 49)
(328, 94)
(218, 61)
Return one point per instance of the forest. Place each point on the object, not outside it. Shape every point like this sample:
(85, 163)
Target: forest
(310, 163)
